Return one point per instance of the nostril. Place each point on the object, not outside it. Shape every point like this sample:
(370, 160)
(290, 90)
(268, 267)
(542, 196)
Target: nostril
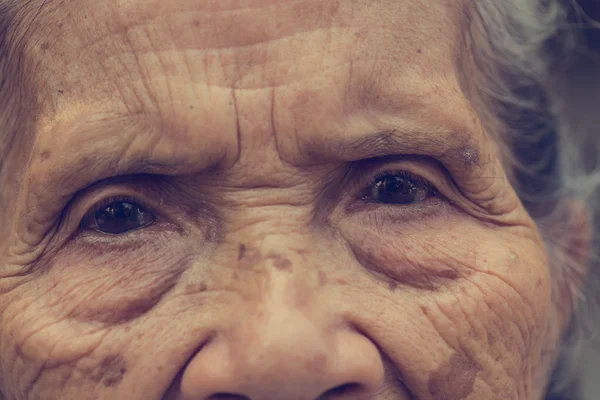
(228, 396)
(338, 392)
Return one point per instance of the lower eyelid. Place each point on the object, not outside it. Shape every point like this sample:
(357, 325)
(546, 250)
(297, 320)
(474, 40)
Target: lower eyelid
(410, 211)
(418, 214)
(131, 239)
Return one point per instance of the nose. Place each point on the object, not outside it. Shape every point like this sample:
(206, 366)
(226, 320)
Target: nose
(287, 357)
(280, 350)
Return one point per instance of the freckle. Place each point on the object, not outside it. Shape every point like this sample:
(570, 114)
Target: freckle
(393, 286)
(419, 51)
(60, 91)
(191, 106)
(241, 251)
(249, 256)
(193, 288)
(19, 350)
(322, 278)
(539, 283)
(196, 23)
(449, 274)
(45, 46)
(44, 155)
(282, 263)
(454, 380)
(111, 371)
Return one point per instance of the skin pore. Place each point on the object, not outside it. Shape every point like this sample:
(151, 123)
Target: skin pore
(254, 136)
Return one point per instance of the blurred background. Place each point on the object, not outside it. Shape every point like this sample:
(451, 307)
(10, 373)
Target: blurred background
(581, 87)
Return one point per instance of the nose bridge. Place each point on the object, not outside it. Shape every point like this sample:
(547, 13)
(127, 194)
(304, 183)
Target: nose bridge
(281, 340)
(290, 267)
(289, 305)
(287, 345)
(287, 309)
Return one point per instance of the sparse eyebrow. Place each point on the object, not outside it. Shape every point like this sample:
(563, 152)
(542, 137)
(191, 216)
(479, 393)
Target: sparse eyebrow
(100, 148)
(396, 141)
(105, 151)
(106, 159)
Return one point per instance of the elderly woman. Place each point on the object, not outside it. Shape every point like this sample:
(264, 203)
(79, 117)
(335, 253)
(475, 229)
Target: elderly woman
(284, 200)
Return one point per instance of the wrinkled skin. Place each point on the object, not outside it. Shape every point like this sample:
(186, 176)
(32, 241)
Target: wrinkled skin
(251, 130)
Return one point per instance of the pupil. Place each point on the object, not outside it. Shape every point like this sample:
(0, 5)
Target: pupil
(396, 189)
(119, 217)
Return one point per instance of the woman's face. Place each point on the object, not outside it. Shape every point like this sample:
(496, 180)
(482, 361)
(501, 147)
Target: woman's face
(269, 199)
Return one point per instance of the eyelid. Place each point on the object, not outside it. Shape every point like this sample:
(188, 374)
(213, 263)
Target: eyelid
(86, 203)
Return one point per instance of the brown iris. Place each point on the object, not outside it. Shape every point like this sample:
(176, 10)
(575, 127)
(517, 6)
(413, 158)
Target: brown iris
(398, 189)
(122, 216)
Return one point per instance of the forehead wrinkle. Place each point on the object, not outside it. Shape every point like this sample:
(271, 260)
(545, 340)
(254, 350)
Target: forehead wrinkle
(371, 81)
(194, 28)
(184, 35)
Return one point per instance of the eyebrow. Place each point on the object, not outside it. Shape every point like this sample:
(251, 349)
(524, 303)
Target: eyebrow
(100, 159)
(450, 148)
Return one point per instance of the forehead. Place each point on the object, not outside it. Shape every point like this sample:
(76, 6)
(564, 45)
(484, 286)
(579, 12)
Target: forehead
(310, 67)
(85, 47)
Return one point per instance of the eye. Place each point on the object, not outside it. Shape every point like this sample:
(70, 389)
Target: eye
(400, 187)
(118, 216)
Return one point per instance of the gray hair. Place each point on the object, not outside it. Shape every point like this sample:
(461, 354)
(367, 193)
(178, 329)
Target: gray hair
(516, 52)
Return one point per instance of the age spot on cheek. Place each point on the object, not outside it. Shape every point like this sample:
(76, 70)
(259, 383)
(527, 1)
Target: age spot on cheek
(111, 371)
(454, 380)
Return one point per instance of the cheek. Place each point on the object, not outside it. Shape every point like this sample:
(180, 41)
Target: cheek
(462, 310)
(70, 308)
(113, 287)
